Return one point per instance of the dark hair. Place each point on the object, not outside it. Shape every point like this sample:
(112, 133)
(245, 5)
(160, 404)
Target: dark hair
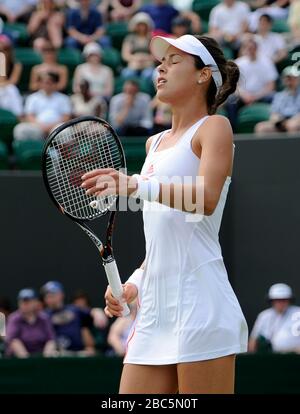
(81, 294)
(52, 75)
(133, 81)
(229, 71)
(266, 17)
(5, 304)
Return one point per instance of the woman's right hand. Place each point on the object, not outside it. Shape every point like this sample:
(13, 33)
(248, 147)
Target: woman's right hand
(113, 306)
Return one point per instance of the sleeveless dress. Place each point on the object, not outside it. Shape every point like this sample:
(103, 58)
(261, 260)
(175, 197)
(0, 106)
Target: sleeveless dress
(188, 310)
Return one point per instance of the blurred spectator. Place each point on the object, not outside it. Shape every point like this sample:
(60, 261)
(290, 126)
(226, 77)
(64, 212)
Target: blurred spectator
(182, 5)
(285, 109)
(50, 64)
(186, 13)
(228, 21)
(99, 76)
(16, 10)
(104, 6)
(84, 103)
(257, 80)
(28, 330)
(181, 26)
(13, 68)
(120, 330)
(294, 21)
(135, 47)
(277, 328)
(81, 300)
(277, 9)
(100, 326)
(5, 310)
(84, 25)
(162, 14)
(270, 44)
(10, 98)
(130, 112)
(162, 118)
(123, 10)
(44, 110)
(5, 306)
(71, 323)
(46, 24)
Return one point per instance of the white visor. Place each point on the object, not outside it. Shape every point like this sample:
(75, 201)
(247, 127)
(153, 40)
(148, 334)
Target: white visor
(188, 44)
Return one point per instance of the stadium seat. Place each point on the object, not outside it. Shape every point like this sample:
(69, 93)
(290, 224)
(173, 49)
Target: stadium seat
(71, 58)
(7, 123)
(18, 31)
(28, 57)
(204, 26)
(117, 32)
(135, 152)
(280, 26)
(145, 85)
(3, 156)
(249, 116)
(203, 7)
(28, 154)
(112, 58)
(228, 53)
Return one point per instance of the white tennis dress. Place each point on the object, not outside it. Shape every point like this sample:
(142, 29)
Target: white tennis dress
(188, 310)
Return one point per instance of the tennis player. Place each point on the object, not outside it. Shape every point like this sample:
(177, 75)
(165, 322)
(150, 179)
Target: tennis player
(189, 325)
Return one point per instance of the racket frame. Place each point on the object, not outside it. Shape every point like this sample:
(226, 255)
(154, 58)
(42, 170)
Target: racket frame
(105, 249)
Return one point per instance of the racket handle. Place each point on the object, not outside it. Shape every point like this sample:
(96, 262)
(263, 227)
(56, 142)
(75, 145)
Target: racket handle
(115, 284)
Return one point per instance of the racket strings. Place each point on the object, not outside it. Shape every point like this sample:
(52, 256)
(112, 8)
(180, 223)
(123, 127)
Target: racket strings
(75, 150)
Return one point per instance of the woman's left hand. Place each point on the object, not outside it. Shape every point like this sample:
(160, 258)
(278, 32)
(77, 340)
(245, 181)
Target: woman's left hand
(107, 181)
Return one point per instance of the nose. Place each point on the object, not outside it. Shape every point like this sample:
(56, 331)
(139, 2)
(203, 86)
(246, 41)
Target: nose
(161, 68)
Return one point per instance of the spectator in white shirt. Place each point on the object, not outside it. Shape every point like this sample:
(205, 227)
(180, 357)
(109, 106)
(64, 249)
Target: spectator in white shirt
(270, 44)
(16, 10)
(277, 9)
(10, 98)
(285, 109)
(44, 110)
(257, 80)
(228, 21)
(279, 326)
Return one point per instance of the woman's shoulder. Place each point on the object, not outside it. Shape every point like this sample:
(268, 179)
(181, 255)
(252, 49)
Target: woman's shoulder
(215, 128)
(217, 121)
(152, 139)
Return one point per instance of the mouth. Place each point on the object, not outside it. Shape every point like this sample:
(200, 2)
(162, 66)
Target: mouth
(160, 82)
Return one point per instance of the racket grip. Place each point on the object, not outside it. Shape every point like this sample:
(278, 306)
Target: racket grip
(115, 284)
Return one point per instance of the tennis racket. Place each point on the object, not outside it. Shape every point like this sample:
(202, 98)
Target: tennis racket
(72, 149)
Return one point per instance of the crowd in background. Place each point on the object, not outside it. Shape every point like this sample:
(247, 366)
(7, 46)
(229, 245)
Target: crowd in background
(242, 28)
(45, 325)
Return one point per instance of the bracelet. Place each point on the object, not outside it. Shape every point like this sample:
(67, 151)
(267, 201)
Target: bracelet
(136, 277)
(147, 188)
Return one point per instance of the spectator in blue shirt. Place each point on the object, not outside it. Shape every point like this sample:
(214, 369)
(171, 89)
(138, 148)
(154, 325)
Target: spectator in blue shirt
(71, 324)
(161, 13)
(84, 25)
(285, 108)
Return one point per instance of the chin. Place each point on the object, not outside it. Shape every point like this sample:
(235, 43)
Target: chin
(164, 97)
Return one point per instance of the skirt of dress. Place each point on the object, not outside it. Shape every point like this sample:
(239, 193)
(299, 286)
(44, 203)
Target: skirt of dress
(187, 318)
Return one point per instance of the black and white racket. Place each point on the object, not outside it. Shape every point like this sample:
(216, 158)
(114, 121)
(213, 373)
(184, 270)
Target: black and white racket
(73, 149)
